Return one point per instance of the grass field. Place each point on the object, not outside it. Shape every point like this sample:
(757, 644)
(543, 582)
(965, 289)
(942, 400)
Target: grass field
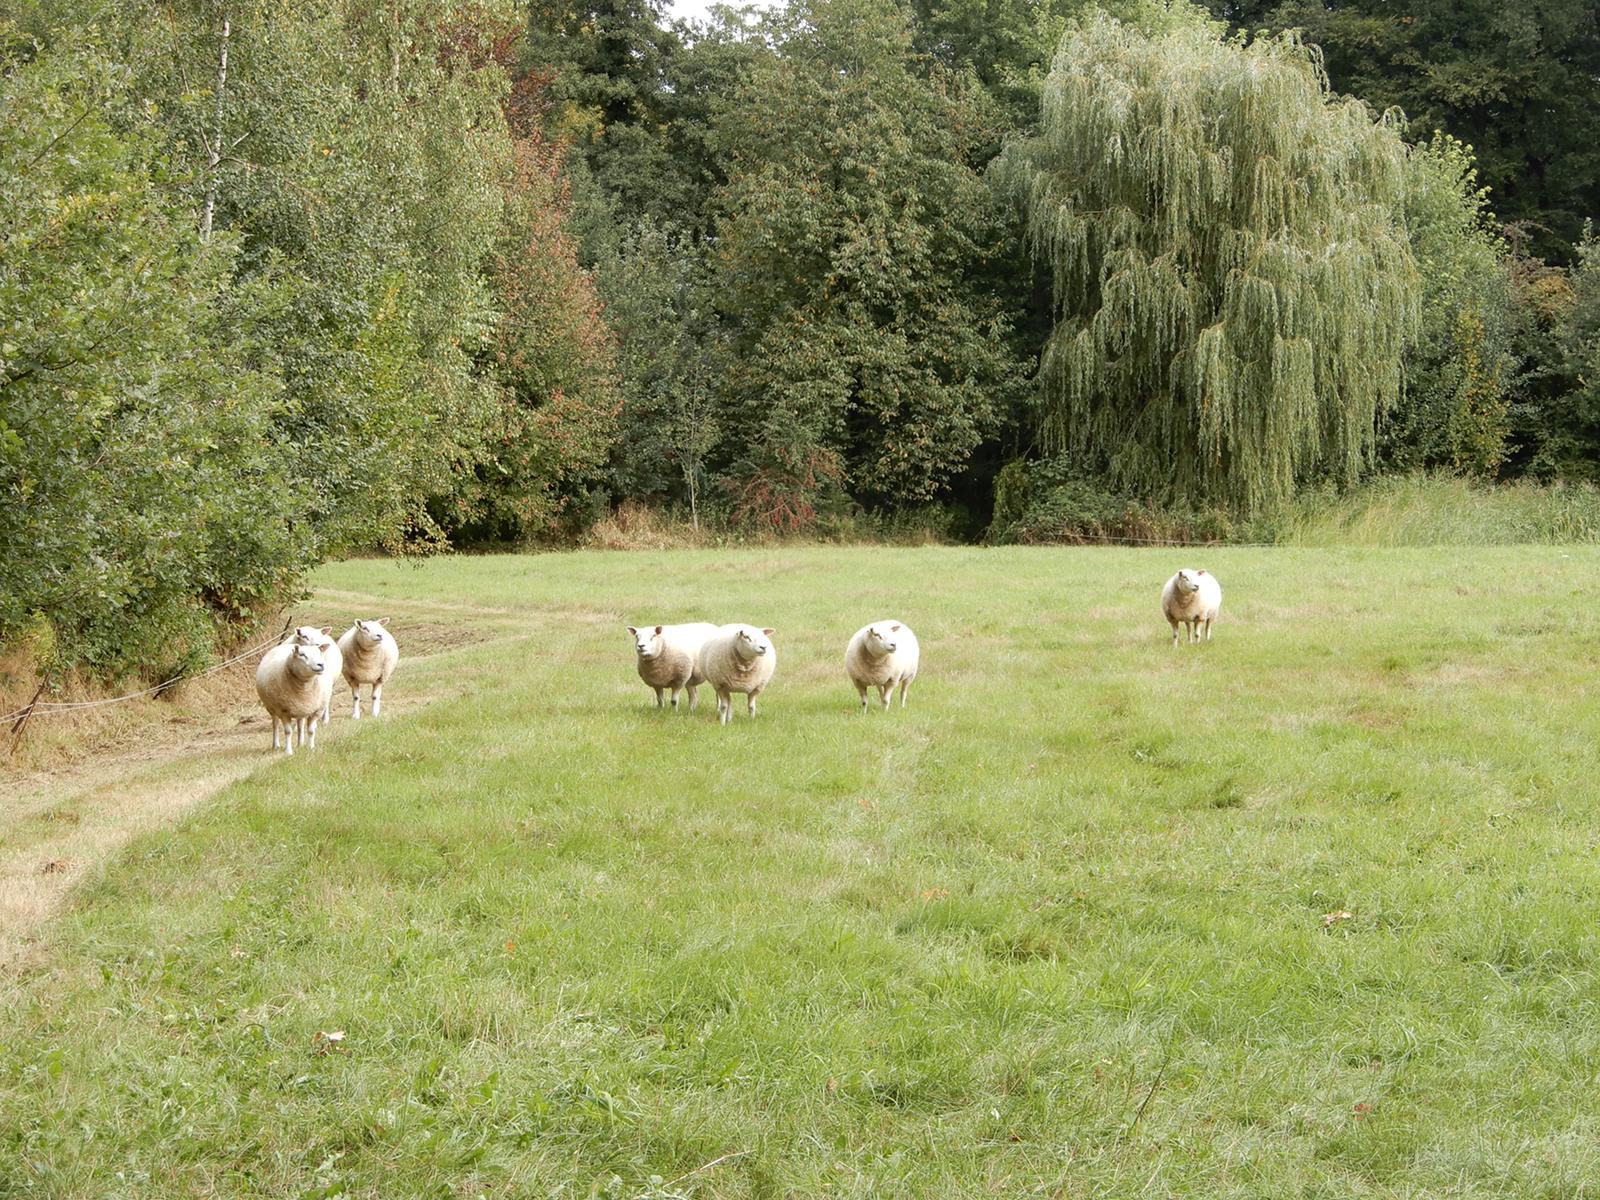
(1312, 911)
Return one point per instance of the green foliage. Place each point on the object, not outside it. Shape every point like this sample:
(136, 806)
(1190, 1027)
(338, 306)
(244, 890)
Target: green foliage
(631, 96)
(144, 491)
(362, 174)
(299, 275)
(851, 223)
(1456, 408)
(659, 304)
(1232, 287)
(1008, 44)
(553, 360)
(1514, 81)
(1559, 417)
(1053, 502)
(1011, 493)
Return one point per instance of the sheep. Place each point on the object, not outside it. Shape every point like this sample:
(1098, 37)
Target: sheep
(1191, 599)
(737, 658)
(370, 656)
(881, 655)
(294, 684)
(669, 657)
(310, 635)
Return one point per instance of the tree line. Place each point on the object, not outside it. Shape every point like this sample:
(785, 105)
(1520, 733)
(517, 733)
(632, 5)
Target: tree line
(280, 282)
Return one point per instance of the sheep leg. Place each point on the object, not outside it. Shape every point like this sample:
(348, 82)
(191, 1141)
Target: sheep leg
(861, 688)
(288, 737)
(1174, 625)
(658, 697)
(750, 701)
(311, 727)
(884, 690)
(675, 699)
(1208, 629)
(690, 689)
(724, 707)
(274, 732)
(377, 697)
(355, 695)
(905, 685)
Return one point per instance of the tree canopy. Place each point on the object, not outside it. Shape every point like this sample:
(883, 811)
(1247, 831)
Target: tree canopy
(1233, 287)
(1516, 82)
(849, 224)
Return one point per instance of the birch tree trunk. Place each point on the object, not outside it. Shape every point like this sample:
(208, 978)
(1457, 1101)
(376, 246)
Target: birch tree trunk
(214, 143)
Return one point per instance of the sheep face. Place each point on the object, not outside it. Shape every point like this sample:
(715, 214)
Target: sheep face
(370, 633)
(310, 635)
(306, 661)
(881, 639)
(753, 643)
(1189, 581)
(648, 642)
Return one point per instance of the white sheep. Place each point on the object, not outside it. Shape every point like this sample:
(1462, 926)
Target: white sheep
(310, 635)
(294, 684)
(880, 656)
(668, 657)
(370, 656)
(1191, 599)
(737, 658)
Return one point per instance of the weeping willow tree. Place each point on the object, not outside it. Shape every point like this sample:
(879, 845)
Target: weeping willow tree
(1232, 284)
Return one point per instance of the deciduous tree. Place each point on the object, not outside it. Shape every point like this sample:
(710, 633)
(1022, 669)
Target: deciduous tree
(1233, 286)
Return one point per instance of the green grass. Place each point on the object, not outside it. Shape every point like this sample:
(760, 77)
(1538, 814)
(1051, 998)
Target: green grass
(1058, 929)
(1444, 510)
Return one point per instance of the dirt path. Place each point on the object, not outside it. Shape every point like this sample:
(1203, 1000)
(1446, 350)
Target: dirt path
(58, 824)
(160, 760)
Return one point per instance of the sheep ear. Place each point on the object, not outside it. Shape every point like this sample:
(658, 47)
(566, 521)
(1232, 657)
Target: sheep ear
(326, 631)
(326, 646)
(631, 630)
(658, 629)
(383, 620)
(894, 629)
(1200, 572)
(768, 632)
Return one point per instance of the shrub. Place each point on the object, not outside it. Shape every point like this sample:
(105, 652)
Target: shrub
(1055, 502)
(1455, 411)
(142, 499)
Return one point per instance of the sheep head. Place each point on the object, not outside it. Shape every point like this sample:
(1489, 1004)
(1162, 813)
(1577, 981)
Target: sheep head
(648, 642)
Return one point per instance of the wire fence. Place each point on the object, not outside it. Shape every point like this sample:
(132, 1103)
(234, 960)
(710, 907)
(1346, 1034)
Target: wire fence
(48, 708)
(1119, 539)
